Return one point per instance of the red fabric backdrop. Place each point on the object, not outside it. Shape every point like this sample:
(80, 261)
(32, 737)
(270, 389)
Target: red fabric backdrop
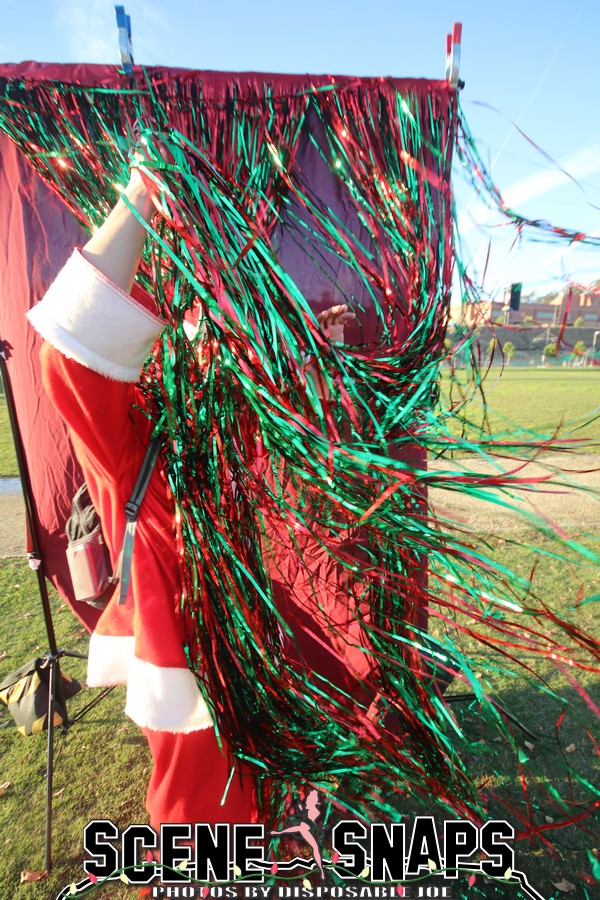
(37, 233)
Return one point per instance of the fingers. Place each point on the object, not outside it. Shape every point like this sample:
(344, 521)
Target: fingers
(335, 316)
(140, 194)
(152, 146)
(332, 312)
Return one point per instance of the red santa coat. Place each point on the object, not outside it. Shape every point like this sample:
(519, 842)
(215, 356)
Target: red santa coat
(97, 339)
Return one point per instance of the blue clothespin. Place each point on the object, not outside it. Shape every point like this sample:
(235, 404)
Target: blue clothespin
(453, 55)
(125, 46)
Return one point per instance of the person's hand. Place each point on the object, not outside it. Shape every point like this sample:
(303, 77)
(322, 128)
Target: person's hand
(140, 194)
(332, 322)
(146, 160)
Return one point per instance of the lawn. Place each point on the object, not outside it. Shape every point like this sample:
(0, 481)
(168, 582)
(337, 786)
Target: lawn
(535, 401)
(562, 752)
(8, 460)
(102, 764)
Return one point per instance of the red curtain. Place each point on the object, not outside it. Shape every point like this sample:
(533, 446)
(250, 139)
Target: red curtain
(37, 230)
(37, 234)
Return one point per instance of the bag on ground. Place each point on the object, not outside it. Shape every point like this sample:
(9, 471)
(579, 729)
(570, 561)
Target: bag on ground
(25, 691)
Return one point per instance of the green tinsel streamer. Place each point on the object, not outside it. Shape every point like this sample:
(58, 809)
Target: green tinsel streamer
(348, 472)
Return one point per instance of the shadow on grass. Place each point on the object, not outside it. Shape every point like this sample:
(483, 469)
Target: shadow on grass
(539, 784)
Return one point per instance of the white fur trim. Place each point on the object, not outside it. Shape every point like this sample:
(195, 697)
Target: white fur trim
(165, 699)
(158, 698)
(91, 320)
(108, 659)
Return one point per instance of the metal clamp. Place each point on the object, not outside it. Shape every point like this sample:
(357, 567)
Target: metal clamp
(453, 56)
(125, 45)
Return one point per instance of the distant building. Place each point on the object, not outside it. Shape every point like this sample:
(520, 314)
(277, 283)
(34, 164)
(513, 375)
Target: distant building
(582, 304)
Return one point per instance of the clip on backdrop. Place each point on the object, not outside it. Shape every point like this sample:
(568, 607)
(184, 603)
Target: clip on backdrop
(125, 45)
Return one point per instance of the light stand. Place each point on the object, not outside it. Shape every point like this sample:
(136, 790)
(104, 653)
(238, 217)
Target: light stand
(54, 654)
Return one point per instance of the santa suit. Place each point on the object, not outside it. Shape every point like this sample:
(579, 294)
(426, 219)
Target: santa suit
(97, 338)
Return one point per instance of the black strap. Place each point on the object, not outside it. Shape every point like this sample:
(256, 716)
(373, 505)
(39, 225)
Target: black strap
(132, 508)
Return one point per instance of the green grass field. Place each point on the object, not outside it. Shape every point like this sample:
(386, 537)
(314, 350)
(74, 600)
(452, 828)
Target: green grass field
(102, 764)
(537, 401)
(8, 460)
(534, 400)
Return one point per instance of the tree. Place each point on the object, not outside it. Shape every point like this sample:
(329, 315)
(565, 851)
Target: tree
(509, 351)
(527, 320)
(500, 320)
(550, 350)
(548, 298)
(492, 346)
(579, 322)
(579, 348)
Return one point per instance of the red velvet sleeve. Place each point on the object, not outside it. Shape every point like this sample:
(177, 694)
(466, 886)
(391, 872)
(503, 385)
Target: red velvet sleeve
(109, 434)
(97, 410)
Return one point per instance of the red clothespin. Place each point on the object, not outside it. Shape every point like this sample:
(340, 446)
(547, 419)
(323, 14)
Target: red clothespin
(125, 45)
(453, 55)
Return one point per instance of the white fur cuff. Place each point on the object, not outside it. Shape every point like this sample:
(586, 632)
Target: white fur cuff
(93, 321)
(109, 657)
(158, 698)
(165, 699)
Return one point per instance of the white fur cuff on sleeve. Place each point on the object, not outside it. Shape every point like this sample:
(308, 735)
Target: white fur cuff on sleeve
(91, 320)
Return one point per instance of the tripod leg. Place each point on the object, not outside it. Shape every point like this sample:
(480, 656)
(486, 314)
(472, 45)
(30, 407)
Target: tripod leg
(54, 668)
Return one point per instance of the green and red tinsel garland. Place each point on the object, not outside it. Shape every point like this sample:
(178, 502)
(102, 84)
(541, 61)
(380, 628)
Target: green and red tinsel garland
(276, 488)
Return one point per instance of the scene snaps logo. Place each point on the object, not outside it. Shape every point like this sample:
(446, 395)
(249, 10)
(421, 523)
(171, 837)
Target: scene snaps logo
(358, 861)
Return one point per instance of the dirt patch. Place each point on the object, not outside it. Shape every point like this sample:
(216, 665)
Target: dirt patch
(12, 525)
(574, 502)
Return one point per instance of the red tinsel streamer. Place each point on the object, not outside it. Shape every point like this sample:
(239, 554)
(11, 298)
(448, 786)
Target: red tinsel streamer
(304, 523)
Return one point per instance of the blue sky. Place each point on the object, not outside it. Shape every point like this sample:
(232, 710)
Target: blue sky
(534, 61)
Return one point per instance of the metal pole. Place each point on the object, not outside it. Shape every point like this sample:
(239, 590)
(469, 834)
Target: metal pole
(55, 686)
(35, 562)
